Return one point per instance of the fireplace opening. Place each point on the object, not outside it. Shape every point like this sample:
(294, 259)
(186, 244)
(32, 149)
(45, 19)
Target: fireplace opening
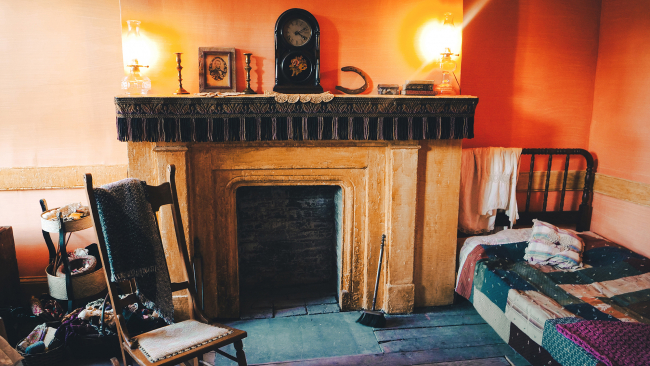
(289, 244)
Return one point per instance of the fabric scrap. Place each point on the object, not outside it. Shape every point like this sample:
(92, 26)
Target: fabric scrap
(561, 348)
(614, 343)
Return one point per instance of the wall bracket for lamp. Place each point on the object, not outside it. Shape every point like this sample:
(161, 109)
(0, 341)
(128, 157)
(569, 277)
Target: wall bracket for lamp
(363, 75)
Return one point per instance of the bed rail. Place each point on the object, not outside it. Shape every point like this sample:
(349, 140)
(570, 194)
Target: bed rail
(582, 217)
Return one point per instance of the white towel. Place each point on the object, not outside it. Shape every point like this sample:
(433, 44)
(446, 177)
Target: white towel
(488, 182)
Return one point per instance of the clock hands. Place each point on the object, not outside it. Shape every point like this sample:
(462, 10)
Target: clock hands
(300, 34)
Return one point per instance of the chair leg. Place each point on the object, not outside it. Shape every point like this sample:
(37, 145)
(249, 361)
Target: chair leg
(241, 356)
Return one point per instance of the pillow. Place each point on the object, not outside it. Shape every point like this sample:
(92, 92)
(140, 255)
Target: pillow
(550, 245)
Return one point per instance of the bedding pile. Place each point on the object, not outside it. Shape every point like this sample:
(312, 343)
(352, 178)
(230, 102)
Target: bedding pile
(525, 302)
(554, 246)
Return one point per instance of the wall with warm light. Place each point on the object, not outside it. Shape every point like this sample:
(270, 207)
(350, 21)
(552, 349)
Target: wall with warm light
(61, 66)
(620, 132)
(532, 64)
(391, 41)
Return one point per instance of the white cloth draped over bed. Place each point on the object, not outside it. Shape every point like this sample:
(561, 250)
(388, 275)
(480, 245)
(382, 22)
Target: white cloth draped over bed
(488, 182)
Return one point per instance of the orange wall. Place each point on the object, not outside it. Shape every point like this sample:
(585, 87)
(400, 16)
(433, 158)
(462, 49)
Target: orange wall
(620, 128)
(532, 64)
(61, 67)
(378, 36)
(63, 64)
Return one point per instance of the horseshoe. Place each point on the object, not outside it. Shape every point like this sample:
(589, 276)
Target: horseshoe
(363, 75)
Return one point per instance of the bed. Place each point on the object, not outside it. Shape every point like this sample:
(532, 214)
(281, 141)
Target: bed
(537, 308)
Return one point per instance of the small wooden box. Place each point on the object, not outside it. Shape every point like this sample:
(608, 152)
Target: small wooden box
(387, 89)
(9, 278)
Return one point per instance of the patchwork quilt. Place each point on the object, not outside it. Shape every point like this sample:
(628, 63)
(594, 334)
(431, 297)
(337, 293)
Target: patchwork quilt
(530, 305)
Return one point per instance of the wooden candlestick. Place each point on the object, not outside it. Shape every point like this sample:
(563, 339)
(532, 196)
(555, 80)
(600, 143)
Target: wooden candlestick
(180, 89)
(248, 89)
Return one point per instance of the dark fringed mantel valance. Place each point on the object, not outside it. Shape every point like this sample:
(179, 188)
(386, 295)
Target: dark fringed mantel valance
(261, 118)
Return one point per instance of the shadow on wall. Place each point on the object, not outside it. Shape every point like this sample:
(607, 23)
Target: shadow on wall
(489, 52)
(329, 61)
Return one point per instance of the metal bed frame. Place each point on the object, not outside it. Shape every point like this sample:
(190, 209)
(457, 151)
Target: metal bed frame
(582, 217)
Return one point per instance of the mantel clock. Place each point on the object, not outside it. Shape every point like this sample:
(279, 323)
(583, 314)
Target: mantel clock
(297, 53)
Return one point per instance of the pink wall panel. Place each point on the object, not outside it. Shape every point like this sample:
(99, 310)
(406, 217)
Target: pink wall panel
(623, 222)
(620, 128)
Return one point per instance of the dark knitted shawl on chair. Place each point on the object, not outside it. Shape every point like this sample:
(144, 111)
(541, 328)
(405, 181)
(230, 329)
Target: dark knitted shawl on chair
(133, 243)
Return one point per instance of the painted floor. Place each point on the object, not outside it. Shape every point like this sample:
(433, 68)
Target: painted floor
(442, 336)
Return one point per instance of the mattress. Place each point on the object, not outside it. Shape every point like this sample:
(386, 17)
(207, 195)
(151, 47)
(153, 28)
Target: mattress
(519, 299)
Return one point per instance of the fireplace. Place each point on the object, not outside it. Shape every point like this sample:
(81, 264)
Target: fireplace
(288, 236)
(289, 246)
(388, 182)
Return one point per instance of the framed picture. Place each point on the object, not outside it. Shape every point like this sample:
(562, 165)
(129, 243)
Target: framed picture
(217, 69)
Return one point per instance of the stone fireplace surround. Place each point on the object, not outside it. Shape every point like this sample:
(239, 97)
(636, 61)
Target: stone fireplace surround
(405, 189)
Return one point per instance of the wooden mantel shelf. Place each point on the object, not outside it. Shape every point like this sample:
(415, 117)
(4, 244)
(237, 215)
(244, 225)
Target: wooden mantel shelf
(261, 118)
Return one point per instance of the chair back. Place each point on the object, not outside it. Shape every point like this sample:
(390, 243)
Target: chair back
(157, 196)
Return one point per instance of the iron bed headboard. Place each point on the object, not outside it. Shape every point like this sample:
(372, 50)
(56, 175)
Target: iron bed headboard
(582, 217)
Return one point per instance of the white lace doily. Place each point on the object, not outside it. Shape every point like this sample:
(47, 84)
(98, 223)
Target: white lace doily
(304, 98)
(218, 94)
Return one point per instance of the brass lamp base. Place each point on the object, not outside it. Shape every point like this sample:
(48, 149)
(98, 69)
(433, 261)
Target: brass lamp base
(180, 89)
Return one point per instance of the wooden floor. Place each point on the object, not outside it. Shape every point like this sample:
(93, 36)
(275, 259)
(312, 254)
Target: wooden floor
(442, 336)
(448, 335)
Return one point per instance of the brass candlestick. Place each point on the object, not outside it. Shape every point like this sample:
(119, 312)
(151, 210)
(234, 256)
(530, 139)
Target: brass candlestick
(180, 89)
(248, 89)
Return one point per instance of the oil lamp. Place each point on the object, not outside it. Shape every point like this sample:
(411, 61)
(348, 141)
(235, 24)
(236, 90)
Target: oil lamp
(447, 65)
(134, 83)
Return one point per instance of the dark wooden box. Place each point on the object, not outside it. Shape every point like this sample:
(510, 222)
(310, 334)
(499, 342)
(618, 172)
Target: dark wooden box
(9, 279)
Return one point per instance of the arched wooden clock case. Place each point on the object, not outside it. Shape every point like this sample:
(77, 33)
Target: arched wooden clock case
(297, 53)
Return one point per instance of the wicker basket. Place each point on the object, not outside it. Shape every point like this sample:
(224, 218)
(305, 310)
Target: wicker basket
(53, 226)
(50, 357)
(83, 285)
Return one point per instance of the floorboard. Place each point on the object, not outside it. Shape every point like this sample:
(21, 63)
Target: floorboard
(429, 357)
(443, 336)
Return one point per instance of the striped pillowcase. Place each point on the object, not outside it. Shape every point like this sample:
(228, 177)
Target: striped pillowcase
(549, 245)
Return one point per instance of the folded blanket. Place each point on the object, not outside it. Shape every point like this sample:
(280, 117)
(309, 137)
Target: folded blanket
(133, 243)
(612, 342)
(549, 245)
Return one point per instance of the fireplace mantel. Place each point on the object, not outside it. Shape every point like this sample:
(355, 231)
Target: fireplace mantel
(396, 158)
(261, 118)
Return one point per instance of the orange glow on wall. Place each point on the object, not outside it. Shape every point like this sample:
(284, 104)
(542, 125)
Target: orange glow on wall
(380, 37)
(433, 37)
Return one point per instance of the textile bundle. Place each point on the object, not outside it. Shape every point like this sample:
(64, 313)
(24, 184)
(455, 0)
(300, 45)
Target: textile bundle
(554, 246)
(488, 182)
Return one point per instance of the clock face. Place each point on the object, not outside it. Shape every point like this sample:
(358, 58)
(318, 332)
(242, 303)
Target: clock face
(296, 32)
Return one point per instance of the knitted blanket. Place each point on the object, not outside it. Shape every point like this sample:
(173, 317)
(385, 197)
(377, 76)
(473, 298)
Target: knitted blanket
(612, 342)
(133, 243)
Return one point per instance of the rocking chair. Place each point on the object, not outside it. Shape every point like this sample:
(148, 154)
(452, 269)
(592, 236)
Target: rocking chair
(158, 196)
